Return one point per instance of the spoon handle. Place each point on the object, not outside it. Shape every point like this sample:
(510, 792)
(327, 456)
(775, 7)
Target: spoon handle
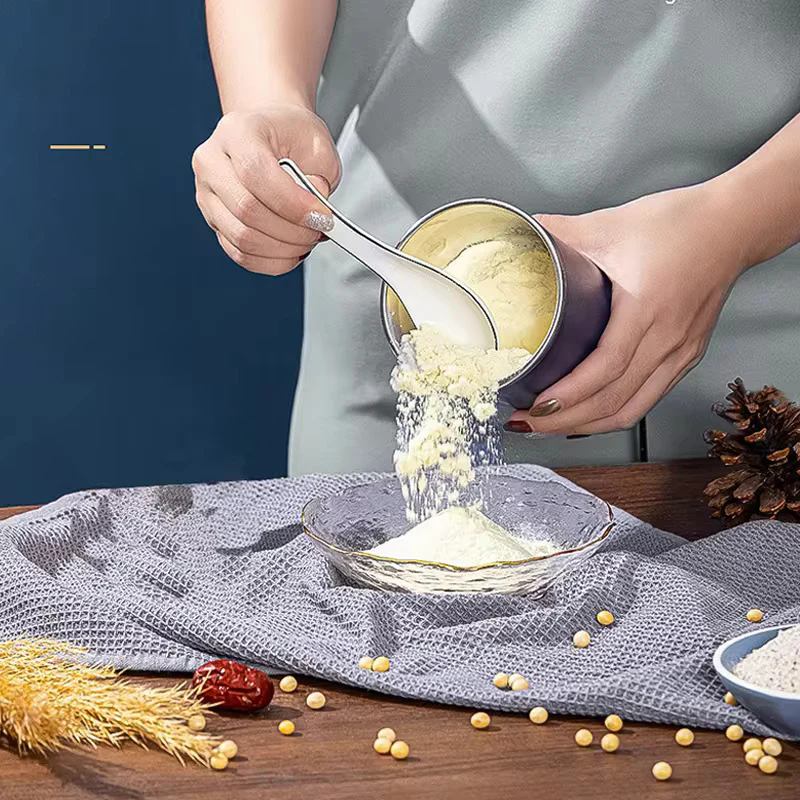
(372, 253)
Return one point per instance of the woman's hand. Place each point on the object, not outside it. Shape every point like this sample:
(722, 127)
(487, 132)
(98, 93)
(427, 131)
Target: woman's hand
(263, 220)
(671, 268)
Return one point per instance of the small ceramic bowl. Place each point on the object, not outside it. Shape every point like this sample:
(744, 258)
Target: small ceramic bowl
(343, 527)
(779, 710)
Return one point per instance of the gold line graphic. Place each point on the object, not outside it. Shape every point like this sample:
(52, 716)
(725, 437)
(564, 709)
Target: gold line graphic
(77, 147)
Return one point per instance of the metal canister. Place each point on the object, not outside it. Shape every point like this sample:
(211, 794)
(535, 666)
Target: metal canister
(583, 300)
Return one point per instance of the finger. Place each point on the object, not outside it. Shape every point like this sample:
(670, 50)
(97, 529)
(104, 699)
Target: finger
(606, 364)
(258, 170)
(673, 370)
(677, 364)
(651, 353)
(578, 231)
(216, 174)
(562, 226)
(248, 240)
(265, 266)
(320, 184)
(695, 357)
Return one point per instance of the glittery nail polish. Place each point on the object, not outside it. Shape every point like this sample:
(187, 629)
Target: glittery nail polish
(318, 221)
(545, 409)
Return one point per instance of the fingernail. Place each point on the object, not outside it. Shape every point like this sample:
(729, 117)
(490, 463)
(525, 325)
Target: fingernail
(545, 409)
(579, 435)
(518, 426)
(318, 221)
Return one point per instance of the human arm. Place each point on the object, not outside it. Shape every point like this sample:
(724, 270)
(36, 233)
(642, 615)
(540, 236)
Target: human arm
(267, 56)
(672, 258)
(759, 199)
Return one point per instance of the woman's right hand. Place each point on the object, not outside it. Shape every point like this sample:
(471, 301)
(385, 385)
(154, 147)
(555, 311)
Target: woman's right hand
(263, 220)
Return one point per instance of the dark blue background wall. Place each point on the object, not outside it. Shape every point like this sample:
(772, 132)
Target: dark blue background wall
(131, 350)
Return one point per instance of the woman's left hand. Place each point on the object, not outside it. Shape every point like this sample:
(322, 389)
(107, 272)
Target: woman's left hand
(671, 266)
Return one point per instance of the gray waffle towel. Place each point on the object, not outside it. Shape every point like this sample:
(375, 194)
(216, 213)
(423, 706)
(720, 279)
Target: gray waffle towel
(166, 578)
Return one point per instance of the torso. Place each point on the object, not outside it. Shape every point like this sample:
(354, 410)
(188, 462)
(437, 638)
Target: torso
(553, 109)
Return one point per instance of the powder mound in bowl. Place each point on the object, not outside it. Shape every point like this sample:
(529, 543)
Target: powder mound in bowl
(775, 665)
(461, 537)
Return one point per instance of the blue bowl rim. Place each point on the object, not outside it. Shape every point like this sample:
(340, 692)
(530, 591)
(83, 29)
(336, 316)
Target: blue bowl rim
(727, 675)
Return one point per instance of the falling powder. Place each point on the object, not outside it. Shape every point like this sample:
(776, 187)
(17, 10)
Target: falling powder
(447, 398)
(447, 393)
(447, 404)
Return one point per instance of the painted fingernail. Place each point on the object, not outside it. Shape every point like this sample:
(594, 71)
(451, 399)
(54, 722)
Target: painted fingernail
(518, 426)
(318, 221)
(545, 409)
(578, 435)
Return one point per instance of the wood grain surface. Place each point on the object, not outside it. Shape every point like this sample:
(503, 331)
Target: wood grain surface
(330, 757)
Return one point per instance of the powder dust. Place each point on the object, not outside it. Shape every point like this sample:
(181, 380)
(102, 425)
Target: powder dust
(447, 400)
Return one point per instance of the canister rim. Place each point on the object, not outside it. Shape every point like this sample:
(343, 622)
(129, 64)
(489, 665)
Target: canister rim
(552, 250)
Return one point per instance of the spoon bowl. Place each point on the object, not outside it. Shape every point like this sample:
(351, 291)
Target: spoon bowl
(429, 295)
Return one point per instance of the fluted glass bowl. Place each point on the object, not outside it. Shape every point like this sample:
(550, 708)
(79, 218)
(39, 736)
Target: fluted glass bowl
(344, 526)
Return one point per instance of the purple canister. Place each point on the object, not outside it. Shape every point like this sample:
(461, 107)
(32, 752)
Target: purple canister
(583, 292)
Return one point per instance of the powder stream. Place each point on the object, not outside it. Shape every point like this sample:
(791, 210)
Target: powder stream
(447, 399)
(447, 393)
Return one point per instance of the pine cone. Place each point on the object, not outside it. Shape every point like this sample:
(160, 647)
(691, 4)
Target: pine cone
(765, 448)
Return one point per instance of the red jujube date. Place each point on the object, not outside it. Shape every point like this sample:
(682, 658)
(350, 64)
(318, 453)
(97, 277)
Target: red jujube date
(234, 686)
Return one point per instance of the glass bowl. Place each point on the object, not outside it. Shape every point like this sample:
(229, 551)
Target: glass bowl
(344, 526)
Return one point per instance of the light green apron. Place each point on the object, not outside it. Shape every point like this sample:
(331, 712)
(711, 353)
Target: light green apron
(559, 106)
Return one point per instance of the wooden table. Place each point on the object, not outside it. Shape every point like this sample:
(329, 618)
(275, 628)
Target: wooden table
(331, 757)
